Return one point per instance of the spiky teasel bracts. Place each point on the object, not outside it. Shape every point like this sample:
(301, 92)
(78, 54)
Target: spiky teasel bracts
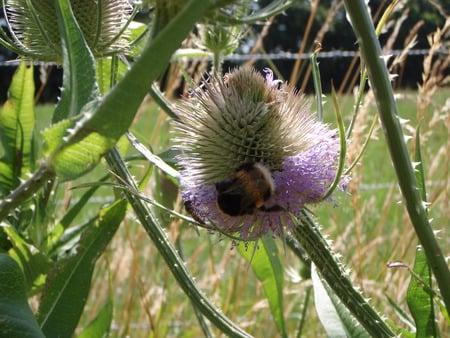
(229, 131)
(35, 32)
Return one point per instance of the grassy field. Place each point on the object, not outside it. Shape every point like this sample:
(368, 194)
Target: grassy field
(367, 224)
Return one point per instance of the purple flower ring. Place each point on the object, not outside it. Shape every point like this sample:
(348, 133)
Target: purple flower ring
(252, 154)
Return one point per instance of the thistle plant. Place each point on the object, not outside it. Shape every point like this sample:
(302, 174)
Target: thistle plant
(236, 127)
(245, 118)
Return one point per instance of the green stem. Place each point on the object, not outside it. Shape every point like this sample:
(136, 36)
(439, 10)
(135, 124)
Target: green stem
(310, 238)
(25, 190)
(380, 82)
(162, 102)
(317, 84)
(169, 253)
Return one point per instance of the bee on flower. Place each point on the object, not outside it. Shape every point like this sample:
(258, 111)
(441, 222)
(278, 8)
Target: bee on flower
(252, 154)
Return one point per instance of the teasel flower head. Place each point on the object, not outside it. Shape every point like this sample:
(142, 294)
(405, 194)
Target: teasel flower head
(35, 33)
(244, 131)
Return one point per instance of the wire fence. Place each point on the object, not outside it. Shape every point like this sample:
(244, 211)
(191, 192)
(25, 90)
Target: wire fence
(275, 56)
(325, 55)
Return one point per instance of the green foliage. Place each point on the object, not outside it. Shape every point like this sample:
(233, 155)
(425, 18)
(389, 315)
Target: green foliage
(266, 264)
(69, 282)
(419, 295)
(16, 318)
(79, 83)
(17, 126)
(83, 130)
(33, 262)
(100, 325)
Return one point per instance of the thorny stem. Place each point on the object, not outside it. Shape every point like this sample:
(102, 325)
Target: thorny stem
(387, 108)
(308, 235)
(25, 190)
(169, 253)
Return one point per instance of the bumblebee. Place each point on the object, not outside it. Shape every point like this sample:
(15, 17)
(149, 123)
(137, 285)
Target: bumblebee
(248, 190)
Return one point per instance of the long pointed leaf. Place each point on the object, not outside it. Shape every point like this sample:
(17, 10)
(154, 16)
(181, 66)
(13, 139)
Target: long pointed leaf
(100, 325)
(269, 270)
(54, 237)
(420, 302)
(69, 284)
(34, 264)
(79, 81)
(16, 129)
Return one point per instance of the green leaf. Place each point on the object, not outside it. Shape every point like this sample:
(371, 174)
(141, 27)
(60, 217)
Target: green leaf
(79, 88)
(419, 300)
(79, 81)
(58, 236)
(34, 264)
(112, 69)
(333, 314)
(69, 283)
(100, 325)
(16, 318)
(269, 270)
(16, 129)
(74, 155)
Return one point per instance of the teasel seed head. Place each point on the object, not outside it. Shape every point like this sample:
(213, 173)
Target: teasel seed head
(35, 32)
(228, 127)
